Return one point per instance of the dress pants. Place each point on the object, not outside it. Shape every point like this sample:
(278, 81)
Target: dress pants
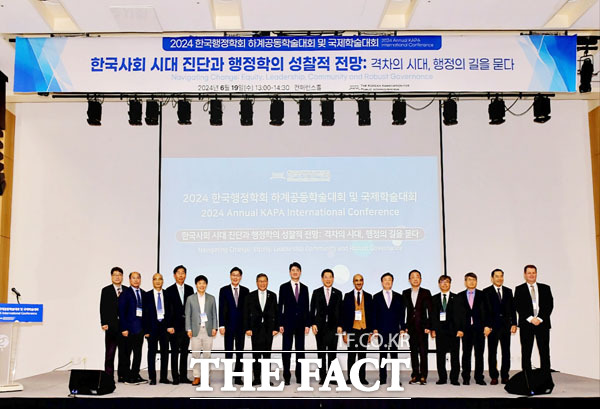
(326, 341)
(180, 343)
(134, 344)
(418, 353)
(162, 339)
(201, 345)
(113, 342)
(501, 335)
(234, 341)
(445, 343)
(357, 341)
(262, 340)
(389, 342)
(473, 339)
(542, 335)
(292, 336)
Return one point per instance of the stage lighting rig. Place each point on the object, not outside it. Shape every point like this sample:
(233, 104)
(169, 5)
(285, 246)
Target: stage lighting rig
(246, 112)
(399, 112)
(152, 112)
(541, 109)
(184, 112)
(216, 112)
(135, 112)
(94, 113)
(327, 112)
(364, 113)
(585, 75)
(497, 111)
(450, 112)
(304, 112)
(276, 112)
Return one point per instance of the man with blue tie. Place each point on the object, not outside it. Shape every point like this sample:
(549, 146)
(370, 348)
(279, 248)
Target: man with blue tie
(504, 323)
(130, 321)
(231, 303)
(389, 321)
(294, 320)
(155, 329)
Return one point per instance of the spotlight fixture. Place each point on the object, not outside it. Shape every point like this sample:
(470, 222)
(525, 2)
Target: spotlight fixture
(276, 112)
(399, 112)
(94, 113)
(184, 112)
(135, 112)
(216, 112)
(497, 111)
(364, 113)
(327, 113)
(152, 112)
(246, 112)
(585, 76)
(541, 109)
(305, 112)
(450, 112)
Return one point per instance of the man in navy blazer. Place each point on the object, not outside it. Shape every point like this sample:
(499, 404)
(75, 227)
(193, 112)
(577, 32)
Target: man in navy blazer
(231, 303)
(294, 320)
(389, 321)
(504, 323)
(130, 321)
(534, 304)
(155, 311)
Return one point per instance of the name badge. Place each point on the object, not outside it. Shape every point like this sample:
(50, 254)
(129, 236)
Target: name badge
(357, 315)
(443, 316)
(138, 312)
(203, 317)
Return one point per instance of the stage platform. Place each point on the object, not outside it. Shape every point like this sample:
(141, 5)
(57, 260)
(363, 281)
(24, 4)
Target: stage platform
(50, 390)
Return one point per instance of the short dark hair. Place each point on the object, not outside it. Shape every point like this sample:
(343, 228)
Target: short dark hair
(444, 277)
(470, 274)
(201, 278)
(236, 269)
(119, 269)
(295, 264)
(414, 271)
(178, 267)
(259, 275)
(327, 270)
(387, 274)
(497, 269)
(529, 266)
(135, 272)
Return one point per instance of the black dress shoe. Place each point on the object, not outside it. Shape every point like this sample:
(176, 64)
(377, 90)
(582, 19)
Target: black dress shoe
(255, 382)
(364, 382)
(382, 381)
(152, 382)
(238, 381)
(287, 382)
(185, 380)
(139, 380)
(122, 379)
(440, 382)
(176, 382)
(166, 381)
(455, 383)
(480, 382)
(466, 382)
(333, 382)
(504, 381)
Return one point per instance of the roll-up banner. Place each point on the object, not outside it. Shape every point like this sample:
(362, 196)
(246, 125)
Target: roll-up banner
(536, 63)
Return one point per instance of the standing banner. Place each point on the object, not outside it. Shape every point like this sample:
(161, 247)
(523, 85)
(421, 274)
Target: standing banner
(537, 63)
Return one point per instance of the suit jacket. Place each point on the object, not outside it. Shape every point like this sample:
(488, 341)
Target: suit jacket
(109, 308)
(348, 309)
(524, 306)
(323, 315)
(256, 319)
(454, 314)
(293, 314)
(176, 317)
(388, 320)
(192, 314)
(230, 315)
(503, 314)
(418, 317)
(128, 319)
(479, 313)
(150, 317)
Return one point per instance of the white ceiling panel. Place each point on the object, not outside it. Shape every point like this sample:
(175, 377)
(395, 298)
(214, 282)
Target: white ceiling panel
(590, 20)
(19, 16)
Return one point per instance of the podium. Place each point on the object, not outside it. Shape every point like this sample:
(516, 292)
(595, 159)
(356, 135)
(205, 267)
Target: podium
(11, 315)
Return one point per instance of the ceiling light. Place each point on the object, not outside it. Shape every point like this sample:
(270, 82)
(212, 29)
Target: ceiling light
(497, 111)
(246, 112)
(399, 112)
(364, 113)
(94, 113)
(135, 112)
(541, 109)
(327, 112)
(450, 112)
(184, 112)
(276, 112)
(152, 112)
(585, 75)
(216, 112)
(304, 112)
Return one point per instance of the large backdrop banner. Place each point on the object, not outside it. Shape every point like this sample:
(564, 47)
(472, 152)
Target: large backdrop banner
(508, 63)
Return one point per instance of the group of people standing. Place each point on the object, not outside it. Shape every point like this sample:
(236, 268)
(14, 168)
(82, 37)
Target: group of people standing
(174, 317)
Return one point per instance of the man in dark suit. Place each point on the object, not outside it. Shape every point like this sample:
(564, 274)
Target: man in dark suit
(130, 320)
(260, 321)
(504, 323)
(358, 324)
(326, 319)
(155, 329)
(109, 320)
(294, 320)
(389, 321)
(534, 304)
(176, 295)
(445, 322)
(231, 303)
(475, 326)
(418, 312)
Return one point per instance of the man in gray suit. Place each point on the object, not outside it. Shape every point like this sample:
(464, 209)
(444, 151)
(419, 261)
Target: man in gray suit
(201, 322)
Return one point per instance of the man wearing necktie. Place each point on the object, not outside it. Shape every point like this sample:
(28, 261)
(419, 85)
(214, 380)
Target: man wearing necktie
(326, 320)
(294, 320)
(155, 329)
(534, 304)
(504, 324)
(130, 320)
(109, 320)
(231, 303)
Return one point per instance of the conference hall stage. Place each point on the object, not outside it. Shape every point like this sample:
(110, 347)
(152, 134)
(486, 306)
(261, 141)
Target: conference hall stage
(50, 390)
